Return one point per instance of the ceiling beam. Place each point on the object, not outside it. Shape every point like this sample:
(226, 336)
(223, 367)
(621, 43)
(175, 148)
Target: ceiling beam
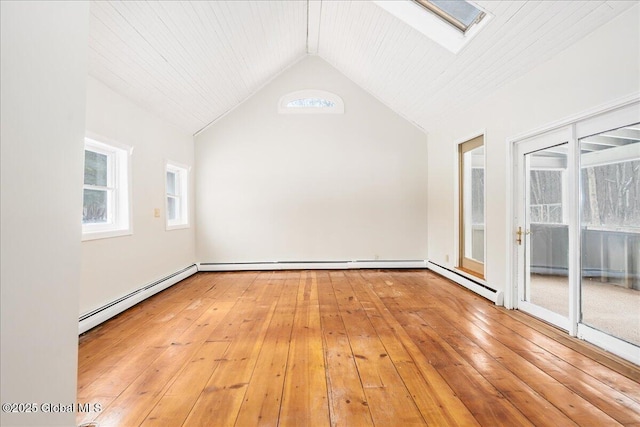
(625, 133)
(608, 140)
(314, 9)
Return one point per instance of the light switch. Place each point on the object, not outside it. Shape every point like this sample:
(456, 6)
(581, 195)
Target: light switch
(156, 212)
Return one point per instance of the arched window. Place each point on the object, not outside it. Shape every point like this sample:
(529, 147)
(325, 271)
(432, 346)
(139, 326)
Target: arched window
(311, 101)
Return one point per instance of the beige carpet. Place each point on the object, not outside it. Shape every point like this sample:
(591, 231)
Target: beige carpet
(605, 306)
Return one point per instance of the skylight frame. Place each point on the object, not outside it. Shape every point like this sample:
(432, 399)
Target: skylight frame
(433, 26)
(450, 19)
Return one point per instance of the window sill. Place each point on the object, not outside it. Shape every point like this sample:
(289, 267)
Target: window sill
(105, 234)
(177, 227)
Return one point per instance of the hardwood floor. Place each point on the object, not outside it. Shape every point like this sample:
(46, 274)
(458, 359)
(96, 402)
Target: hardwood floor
(346, 348)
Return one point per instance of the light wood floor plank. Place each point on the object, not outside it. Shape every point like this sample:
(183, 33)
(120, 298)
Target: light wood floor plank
(548, 401)
(126, 332)
(224, 392)
(305, 400)
(433, 396)
(530, 363)
(549, 355)
(174, 406)
(347, 401)
(388, 398)
(261, 405)
(343, 348)
(487, 404)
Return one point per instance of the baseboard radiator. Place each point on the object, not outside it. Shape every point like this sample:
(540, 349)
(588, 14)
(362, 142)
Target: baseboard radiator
(310, 265)
(497, 297)
(101, 314)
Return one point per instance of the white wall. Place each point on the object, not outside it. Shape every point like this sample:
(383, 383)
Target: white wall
(116, 266)
(274, 187)
(43, 69)
(602, 67)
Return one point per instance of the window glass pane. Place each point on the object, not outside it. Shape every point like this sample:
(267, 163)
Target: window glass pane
(547, 253)
(610, 222)
(177, 210)
(471, 220)
(95, 168)
(171, 182)
(546, 197)
(473, 204)
(94, 209)
(311, 103)
(172, 208)
(477, 196)
(459, 9)
(611, 195)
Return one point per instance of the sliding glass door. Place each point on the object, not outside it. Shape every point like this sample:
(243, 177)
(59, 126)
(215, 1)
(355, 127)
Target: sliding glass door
(610, 228)
(577, 228)
(543, 233)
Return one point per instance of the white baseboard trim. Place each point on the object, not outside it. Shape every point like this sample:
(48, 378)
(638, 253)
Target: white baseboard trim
(101, 314)
(310, 265)
(497, 297)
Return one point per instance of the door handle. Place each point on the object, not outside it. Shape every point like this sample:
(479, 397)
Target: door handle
(520, 233)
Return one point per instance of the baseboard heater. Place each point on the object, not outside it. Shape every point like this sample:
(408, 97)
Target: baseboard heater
(497, 297)
(95, 317)
(310, 265)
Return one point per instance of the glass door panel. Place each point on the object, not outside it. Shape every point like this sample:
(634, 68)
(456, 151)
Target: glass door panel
(546, 233)
(610, 232)
(471, 221)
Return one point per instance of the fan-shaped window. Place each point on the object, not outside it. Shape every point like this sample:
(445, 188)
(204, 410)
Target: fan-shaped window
(311, 102)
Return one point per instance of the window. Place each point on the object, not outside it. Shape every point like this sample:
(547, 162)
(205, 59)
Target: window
(105, 208)
(459, 13)
(450, 23)
(176, 189)
(471, 206)
(311, 101)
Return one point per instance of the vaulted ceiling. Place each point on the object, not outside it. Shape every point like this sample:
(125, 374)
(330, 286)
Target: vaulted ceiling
(190, 62)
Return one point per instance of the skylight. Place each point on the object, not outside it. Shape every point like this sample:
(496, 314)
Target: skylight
(459, 13)
(450, 23)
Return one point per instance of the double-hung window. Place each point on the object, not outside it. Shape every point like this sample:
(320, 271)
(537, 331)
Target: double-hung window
(177, 203)
(105, 209)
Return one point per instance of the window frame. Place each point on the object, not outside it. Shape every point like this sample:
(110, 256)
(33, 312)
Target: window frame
(465, 264)
(118, 189)
(450, 19)
(181, 195)
(434, 26)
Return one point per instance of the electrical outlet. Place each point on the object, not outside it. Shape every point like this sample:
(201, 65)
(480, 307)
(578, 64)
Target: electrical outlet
(156, 212)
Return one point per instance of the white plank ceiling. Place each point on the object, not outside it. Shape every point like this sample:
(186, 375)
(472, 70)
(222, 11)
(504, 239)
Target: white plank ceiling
(190, 62)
